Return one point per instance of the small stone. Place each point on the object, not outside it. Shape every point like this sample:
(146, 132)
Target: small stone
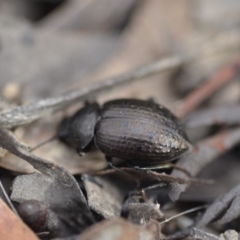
(11, 91)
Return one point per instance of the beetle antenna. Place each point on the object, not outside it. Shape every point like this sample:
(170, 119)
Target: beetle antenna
(184, 213)
(110, 164)
(165, 166)
(43, 143)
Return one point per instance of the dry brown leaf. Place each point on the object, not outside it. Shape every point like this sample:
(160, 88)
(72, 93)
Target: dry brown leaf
(2, 152)
(120, 229)
(12, 227)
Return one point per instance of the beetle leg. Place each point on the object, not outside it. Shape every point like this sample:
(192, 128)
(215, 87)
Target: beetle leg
(164, 166)
(80, 153)
(141, 193)
(151, 100)
(110, 164)
(91, 179)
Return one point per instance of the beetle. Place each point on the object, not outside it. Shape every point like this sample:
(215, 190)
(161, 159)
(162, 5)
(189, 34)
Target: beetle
(142, 133)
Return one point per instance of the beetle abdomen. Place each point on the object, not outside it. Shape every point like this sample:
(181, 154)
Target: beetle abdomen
(139, 133)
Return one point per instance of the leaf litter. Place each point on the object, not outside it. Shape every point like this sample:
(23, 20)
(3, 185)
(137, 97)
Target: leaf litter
(103, 189)
(52, 185)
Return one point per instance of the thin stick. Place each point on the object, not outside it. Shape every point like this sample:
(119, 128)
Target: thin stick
(164, 166)
(214, 83)
(43, 143)
(183, 213)
(26, 114)
(7, 198)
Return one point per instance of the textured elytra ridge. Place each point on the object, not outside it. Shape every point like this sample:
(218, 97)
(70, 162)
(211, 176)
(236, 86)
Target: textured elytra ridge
(140, 132)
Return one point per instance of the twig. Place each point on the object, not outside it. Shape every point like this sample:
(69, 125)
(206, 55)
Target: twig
(206, 151)
(26, 114)
(9, 202)
(214, 83)
(220, 115)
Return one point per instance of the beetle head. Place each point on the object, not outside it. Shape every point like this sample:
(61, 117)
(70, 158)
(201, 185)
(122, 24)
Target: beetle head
(81, 127)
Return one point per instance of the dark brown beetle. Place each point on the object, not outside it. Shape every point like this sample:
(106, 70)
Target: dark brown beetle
(142, 133)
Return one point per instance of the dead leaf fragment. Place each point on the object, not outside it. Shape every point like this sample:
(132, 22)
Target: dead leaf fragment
(103, 196)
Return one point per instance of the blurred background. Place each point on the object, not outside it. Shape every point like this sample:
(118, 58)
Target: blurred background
(48, 47)
(51, 46)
